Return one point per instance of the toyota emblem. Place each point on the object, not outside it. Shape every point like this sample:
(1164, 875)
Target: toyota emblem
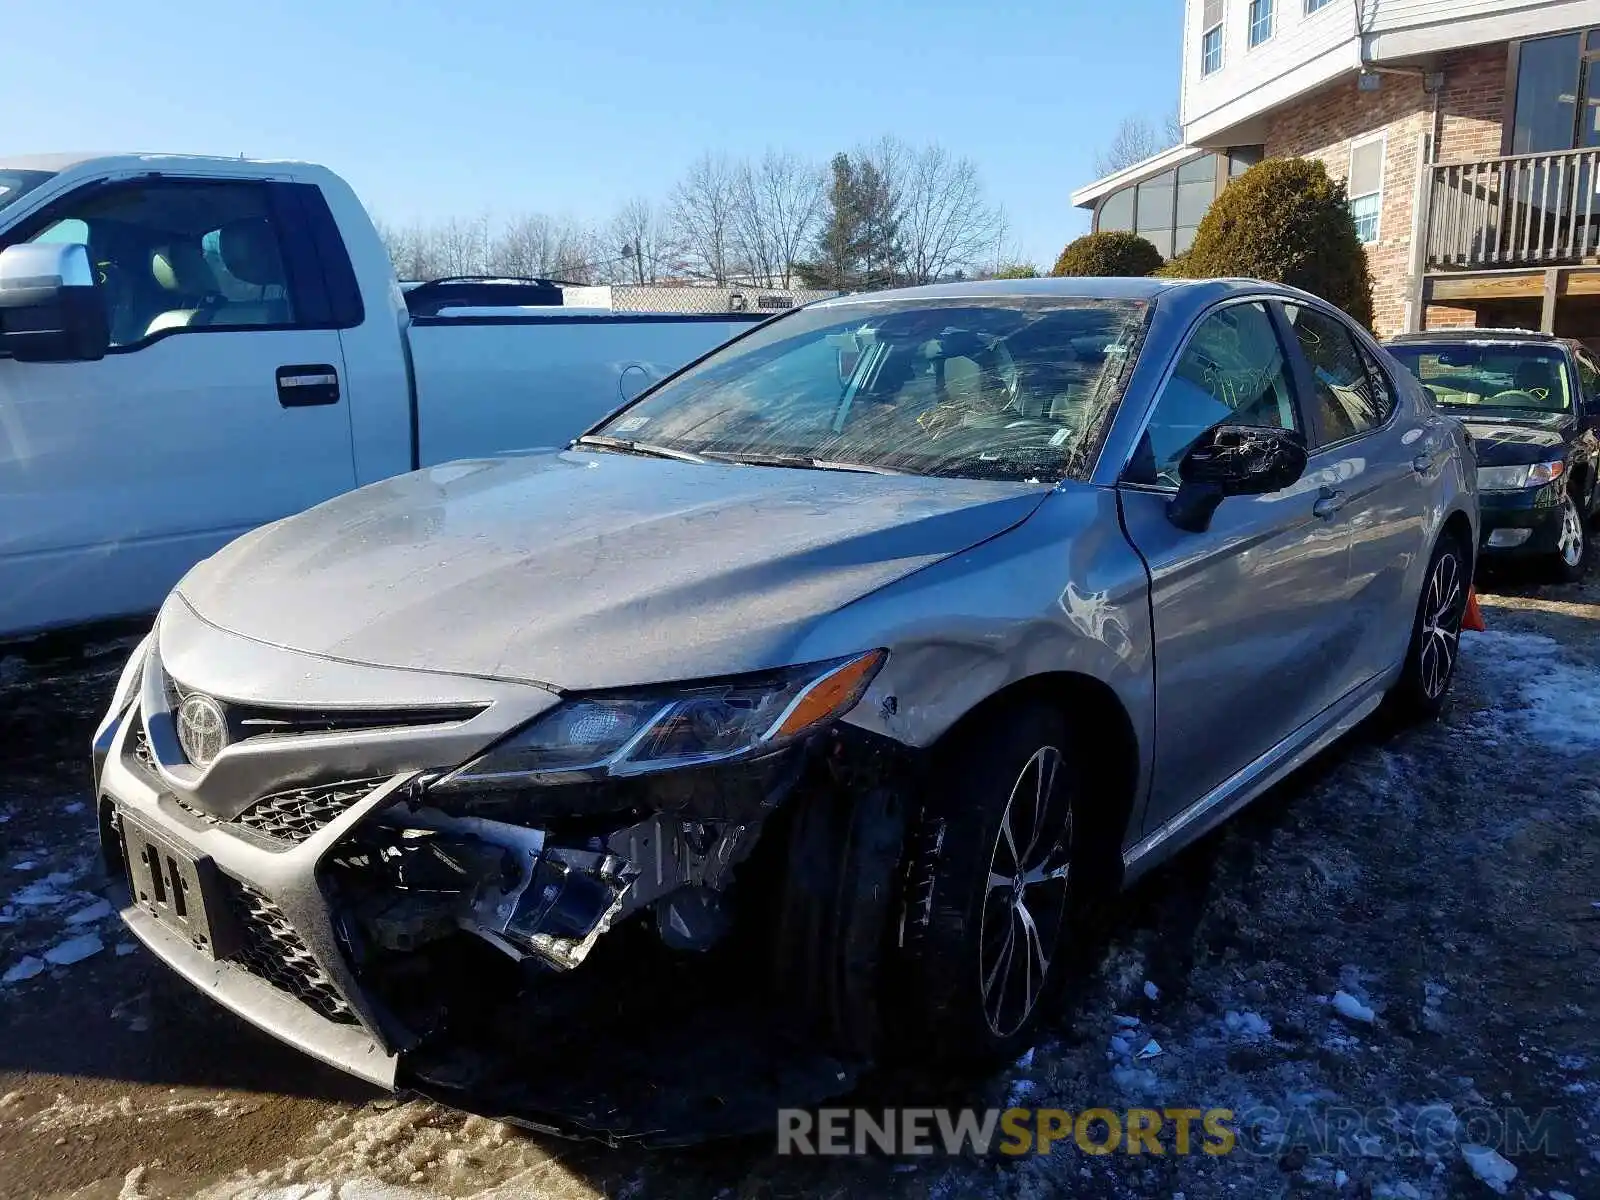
(202, 729)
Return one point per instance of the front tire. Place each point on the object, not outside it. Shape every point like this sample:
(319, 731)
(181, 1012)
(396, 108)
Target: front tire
(1431, 659)
(990, 887)
(1572, 545)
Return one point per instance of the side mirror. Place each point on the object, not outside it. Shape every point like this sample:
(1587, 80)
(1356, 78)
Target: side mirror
(51, 307)
(1233, 460)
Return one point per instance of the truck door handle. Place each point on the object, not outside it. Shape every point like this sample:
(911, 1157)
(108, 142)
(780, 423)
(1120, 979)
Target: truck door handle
(308, 385)
(1330, 503)
(1423, 463)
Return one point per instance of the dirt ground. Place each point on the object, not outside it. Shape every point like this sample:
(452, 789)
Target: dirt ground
(1407, 930)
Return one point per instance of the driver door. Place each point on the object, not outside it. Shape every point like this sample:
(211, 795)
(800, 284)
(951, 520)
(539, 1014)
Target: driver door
(1247, 619)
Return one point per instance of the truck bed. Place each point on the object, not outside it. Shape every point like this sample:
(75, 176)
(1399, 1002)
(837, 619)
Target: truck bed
(525, 379)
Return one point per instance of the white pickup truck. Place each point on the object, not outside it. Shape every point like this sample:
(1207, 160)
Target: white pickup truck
(191, 347)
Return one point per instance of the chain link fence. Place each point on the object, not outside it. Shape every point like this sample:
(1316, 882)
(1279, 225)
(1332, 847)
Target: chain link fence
(677, 299)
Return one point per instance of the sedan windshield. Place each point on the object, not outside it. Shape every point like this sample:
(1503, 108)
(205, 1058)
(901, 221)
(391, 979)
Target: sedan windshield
(1513, 380)
(16, 184)
(1007, 388)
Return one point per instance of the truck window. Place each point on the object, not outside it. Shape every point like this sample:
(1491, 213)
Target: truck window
(180, 255)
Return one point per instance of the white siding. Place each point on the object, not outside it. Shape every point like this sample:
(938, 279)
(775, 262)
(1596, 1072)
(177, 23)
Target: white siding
(1296, 40)
(1306, 51)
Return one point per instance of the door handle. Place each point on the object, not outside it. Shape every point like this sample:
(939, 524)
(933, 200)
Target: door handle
(308, 385)
(1423, 463)
(1330, 503)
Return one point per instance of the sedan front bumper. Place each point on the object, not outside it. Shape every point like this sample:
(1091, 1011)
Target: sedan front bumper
(283, 972)
(1507, 514)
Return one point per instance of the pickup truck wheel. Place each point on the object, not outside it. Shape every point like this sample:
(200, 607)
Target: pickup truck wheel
(988, 896)
(1435, 648)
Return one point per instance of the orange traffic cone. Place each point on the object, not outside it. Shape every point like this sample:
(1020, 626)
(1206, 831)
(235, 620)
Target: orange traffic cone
(1473, 618)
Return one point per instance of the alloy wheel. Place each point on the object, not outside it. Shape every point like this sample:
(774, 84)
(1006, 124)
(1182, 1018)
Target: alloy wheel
(1025, 898)
(1443, 606)
(1570, 542)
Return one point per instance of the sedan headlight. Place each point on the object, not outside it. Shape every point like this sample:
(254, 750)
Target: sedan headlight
(685, 725)
(1510, 479)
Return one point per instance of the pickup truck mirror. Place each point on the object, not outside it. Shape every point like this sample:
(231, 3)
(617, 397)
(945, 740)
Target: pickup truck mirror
(51, 308)
(1233, 460)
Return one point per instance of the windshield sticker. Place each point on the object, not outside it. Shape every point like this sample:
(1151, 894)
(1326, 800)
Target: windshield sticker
(629, 424)
(1059, 438)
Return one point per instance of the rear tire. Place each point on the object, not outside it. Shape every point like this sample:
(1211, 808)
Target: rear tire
(989, 888)
(1431, 659)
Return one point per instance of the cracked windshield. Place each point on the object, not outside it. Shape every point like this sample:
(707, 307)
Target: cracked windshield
(1009, 391)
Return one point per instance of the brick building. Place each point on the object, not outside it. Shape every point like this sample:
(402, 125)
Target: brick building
(1467, 131)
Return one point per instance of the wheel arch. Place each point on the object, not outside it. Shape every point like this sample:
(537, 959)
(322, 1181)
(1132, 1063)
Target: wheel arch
(1459, 525)
(1108, 751)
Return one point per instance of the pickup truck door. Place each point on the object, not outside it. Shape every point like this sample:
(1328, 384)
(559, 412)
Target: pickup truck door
(218, 408)
(1246, 615)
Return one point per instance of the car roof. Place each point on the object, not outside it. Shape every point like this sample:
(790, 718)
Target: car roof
(1074, 288)
(1459, 337)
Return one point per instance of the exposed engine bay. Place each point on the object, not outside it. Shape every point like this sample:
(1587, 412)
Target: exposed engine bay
(513, 957)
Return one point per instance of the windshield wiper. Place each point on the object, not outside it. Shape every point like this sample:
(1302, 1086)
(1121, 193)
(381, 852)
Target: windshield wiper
(602, 441)
(761, 458)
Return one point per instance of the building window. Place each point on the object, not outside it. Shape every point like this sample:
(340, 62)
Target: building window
(1211, 37)
(1166, 209)
(1366, 186)
(1260, 21)
(1558, 94)
(1313, 6)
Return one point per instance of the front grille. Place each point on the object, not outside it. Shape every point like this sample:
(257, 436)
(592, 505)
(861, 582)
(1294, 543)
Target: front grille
(295, 815)
(143, 755)
(246, 721)
(271, 950)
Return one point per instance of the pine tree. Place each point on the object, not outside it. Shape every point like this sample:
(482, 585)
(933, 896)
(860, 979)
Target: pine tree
(859, 245)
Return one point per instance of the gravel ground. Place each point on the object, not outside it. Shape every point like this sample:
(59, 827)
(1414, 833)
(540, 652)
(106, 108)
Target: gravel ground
(1401, 943)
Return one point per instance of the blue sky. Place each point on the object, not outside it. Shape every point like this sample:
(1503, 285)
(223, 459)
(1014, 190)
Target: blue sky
(434, 108)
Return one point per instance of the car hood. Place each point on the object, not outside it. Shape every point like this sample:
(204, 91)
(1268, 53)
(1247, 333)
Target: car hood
(582, 571)
(1513, 443)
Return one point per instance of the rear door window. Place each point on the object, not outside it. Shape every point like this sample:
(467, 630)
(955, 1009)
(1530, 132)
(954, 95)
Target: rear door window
(1350, 394)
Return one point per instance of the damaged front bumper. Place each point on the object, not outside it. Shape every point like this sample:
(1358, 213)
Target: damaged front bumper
(371, 916)
(295, 926)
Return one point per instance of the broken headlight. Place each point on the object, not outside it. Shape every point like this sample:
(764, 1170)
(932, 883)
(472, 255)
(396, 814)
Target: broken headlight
(684, 725)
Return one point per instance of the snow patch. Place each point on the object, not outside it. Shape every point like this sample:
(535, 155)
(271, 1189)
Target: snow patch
(1540, 694)
(1490, 1166)
(42, 893)
(27, 968)
(1351, 1009)
(74, 949)
(97, 911)
(1247, 1024)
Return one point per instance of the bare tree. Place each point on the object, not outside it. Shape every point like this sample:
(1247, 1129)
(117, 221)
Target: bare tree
(544, 247)
(463, 245)
(777, 207)
(702, 218)
(1137, 139)
(421, 251)
(945, 223)
(638, 240)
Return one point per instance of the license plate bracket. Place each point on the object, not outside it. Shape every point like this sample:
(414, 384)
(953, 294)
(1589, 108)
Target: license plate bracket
(180, 888)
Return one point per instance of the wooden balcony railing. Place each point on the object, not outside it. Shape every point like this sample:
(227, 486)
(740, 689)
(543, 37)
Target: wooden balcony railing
(1525, 210)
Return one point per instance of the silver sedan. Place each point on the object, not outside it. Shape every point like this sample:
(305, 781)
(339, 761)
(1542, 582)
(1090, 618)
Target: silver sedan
(906, 623)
